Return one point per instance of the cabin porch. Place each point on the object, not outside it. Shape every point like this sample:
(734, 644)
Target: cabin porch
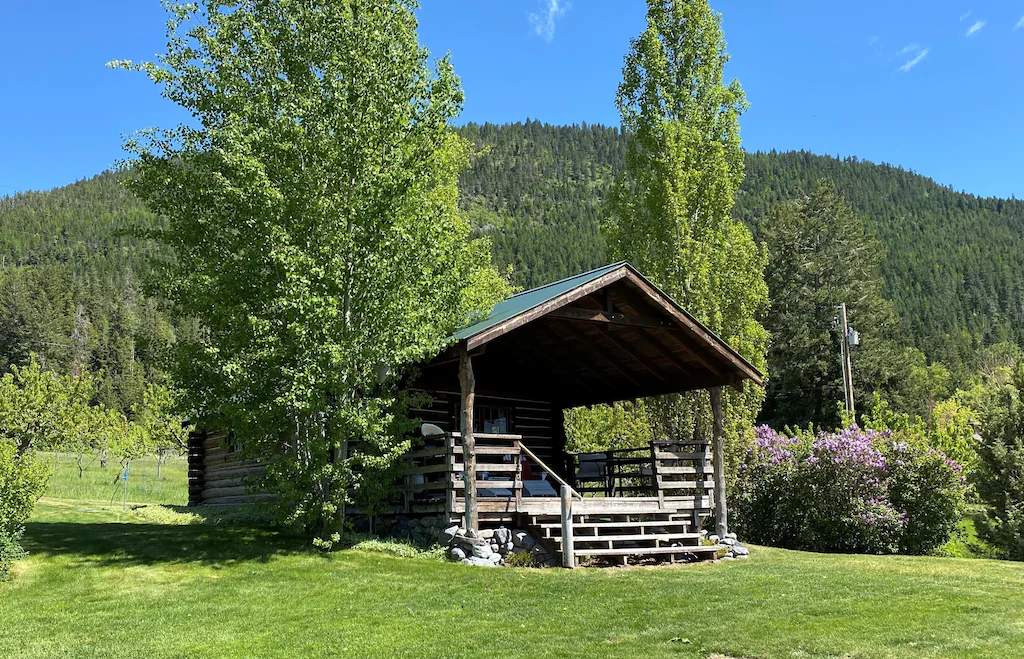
(498, 396)
(649, 503)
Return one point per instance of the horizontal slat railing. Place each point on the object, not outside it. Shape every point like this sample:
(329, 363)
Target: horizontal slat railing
(438, 469)
(678, 471)
(540, 463)
(684, 473)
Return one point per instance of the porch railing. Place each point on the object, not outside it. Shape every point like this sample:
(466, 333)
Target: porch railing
(663, 468)
(436, 472)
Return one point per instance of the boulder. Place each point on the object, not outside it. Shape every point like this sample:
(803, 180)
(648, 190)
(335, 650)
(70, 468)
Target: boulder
(729, 541)
(482, 551)
(713, 538)
(486, 534)
(502, 535)
(507, 547)
(495, 558)
(730, 535)
(457, 553)
(479, 562)
(447, 535)
(523, 539)
(740, 550)
(463, 539)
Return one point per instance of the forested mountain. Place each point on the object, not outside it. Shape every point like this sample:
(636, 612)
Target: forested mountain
(71, 286)
(954, 263)
(70, 266)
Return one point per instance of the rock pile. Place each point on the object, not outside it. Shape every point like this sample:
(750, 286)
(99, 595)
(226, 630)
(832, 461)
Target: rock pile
(421, 530)
(492, 546)
(736, 548)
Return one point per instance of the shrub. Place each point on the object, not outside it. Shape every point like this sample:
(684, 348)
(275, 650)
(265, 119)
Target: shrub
(849, 491)
(22, 481)
(1000, 480)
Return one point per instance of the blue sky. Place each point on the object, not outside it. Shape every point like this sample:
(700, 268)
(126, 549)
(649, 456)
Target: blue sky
(934, 86)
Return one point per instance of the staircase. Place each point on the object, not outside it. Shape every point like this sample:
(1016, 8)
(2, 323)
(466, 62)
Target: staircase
(620, 537)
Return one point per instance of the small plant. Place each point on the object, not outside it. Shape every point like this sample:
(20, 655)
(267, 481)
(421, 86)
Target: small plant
(391, 547)
(520, 559)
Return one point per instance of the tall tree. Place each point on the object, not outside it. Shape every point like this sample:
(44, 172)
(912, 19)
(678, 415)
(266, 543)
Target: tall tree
(312, 217)
(669, 209)
(822, 255)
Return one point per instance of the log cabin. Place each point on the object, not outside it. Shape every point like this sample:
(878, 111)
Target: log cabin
(497, 395)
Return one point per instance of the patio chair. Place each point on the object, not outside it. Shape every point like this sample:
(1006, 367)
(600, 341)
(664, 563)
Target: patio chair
(592, 472)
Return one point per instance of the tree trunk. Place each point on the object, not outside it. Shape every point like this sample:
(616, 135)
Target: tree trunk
(718, 448)
(468, 385)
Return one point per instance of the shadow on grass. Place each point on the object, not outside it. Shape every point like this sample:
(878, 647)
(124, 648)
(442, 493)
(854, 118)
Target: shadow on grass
(120, 544)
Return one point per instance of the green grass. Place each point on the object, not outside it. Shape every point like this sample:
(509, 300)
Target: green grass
(99, 484)
(102, 583)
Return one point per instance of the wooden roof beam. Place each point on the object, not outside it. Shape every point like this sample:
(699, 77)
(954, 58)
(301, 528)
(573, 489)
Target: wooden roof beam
(580, 336)
(558, 340)
(627, 347)
(610, 318)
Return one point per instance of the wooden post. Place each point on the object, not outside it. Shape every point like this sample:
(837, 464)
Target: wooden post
(568, 549)
(468, 384)
(844, 356)
(718, 444)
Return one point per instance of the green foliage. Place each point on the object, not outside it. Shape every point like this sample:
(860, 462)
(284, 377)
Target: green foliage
(40, 409)
(22, 481)
(608, 427)
(948, 429)
(1000, 481)
(669, 211)
(854, 490)
(921, 385)
(313, 223)
(392, 547)
(821, 255)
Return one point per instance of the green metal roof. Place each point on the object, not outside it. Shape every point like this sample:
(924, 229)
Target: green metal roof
(522, 302)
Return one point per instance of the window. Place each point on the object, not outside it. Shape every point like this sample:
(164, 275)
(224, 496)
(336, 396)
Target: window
(489, 419)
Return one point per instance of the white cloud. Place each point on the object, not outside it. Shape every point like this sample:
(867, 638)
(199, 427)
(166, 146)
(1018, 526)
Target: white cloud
(965, 16)
(1019, 24)
(917, 59)
(873, 40)
(912, 48)
(976, 28)
(544, 23)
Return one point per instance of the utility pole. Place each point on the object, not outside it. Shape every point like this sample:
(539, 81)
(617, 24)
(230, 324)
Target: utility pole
(844, 357)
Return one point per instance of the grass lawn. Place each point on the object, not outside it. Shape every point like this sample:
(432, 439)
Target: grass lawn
(99, 484)
(104, 583)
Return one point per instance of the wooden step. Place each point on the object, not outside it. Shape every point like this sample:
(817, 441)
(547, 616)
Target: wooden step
(619, 538)
(636, 551)
(614, 525)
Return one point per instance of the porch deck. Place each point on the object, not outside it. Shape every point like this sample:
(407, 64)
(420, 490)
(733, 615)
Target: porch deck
(599, 522)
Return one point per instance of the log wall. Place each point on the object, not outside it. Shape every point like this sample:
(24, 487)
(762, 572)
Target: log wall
(217, 472)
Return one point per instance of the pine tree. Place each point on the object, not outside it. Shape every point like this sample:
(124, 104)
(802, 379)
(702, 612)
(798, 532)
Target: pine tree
(669, 212)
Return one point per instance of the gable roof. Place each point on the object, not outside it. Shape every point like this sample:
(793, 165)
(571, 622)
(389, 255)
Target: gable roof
(527, 306)
(522, 302)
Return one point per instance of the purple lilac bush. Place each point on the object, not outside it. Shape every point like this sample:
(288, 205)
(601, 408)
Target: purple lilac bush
(861, 491)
